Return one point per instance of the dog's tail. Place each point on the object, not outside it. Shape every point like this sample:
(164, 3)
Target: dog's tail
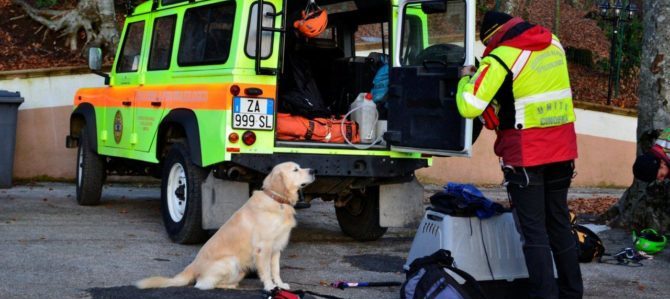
(186, 277)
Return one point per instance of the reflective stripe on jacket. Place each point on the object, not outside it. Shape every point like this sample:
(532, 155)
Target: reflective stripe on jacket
(530, 91)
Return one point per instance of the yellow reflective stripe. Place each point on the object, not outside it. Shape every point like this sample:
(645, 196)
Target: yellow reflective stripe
(520, 63)
(543, 97)
(474, 101)
(520, 104)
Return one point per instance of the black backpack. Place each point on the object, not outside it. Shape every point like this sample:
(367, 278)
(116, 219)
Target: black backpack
(589, 245)
(298, 93)
(427, 278)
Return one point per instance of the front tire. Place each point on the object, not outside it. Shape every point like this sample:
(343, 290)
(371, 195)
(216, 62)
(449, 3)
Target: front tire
(359, 218)
(90, 172)
(181, 196)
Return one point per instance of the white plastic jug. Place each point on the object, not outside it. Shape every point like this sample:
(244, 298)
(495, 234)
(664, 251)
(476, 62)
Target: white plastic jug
(364, 112)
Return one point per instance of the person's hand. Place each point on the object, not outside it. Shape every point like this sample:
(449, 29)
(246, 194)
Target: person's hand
(467, 70)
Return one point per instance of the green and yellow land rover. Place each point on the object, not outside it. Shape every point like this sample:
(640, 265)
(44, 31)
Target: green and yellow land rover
(194, 90)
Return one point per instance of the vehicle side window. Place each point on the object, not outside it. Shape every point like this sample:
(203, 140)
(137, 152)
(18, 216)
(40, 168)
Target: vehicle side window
(129, 60)
(161, 43)
(434, 31)
(207, 34)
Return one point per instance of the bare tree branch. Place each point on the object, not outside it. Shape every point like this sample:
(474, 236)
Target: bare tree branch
(88, 14)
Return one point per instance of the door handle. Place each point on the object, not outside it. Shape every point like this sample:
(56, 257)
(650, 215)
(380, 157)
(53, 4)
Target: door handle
(127, 103)
(156, 103)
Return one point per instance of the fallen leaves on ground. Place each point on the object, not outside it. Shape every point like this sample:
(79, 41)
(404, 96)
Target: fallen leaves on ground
(591, 206)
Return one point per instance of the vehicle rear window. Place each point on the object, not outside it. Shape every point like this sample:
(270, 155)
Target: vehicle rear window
(206, 34)
(129, 60)
(161, 43)
(267, 37)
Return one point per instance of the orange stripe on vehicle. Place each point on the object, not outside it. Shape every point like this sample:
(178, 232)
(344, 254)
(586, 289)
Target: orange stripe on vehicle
(201, 96)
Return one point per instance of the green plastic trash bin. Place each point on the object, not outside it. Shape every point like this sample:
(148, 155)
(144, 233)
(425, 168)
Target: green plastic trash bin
(9, 107)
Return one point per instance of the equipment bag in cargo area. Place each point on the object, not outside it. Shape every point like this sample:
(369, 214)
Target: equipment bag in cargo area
(298, 128)
(299, 94)
(427, 278)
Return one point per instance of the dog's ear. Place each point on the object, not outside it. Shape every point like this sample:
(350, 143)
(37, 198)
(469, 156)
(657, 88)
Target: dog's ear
(290, 186)
(267, 182)
(275, 181)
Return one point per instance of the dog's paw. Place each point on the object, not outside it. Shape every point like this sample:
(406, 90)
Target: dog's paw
(269, 286)
(204, 285)
(284, 286)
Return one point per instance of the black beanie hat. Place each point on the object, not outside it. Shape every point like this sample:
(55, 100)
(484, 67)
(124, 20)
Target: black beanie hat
(492, 21)
(646, 167)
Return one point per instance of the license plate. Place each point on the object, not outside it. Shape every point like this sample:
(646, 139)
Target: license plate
(251, 113)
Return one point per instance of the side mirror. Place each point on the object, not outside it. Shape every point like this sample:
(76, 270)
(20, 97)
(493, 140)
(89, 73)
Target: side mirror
(95, 63)
(95, 59)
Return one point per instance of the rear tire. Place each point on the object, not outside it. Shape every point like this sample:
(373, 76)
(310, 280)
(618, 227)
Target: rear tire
(359, 219)
(181, 196)
(90, 172)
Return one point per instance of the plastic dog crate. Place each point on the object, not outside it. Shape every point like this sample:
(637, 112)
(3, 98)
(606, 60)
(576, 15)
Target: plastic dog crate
(488, 249)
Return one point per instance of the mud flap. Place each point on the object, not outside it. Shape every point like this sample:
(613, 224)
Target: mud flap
(220, 199)
(401, 205)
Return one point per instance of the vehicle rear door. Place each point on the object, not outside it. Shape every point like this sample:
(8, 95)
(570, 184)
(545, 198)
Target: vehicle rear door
(432, 39)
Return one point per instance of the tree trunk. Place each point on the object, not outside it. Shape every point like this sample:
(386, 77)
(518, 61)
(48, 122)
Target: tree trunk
(524, 10)
(637, 208)
(557, 17)
(95, 17)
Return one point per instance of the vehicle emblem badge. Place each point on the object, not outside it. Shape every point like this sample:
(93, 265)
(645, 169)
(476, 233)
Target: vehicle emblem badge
(118, 127)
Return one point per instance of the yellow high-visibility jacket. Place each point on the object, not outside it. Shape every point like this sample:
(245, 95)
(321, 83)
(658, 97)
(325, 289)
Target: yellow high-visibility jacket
(525, 79)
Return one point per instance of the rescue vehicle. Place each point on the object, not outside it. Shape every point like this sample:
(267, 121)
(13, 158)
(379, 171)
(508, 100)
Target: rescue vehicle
(193, 95)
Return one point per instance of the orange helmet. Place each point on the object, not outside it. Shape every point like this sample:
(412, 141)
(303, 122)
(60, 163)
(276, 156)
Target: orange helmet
(313, 22)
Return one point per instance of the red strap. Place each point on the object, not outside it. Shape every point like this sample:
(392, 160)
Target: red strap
(283, 294)
(491, 120)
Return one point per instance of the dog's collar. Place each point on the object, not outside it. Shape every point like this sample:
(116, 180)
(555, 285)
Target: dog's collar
(277, 197)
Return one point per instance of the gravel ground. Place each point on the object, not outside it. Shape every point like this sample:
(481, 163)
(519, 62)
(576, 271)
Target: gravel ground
(53, 248)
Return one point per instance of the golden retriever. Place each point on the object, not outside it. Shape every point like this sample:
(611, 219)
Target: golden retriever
(252, 238)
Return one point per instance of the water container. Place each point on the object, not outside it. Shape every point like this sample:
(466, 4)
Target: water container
(365, 115)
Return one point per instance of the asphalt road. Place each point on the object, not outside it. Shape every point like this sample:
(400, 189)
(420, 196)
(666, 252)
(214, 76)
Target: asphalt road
(52, 248)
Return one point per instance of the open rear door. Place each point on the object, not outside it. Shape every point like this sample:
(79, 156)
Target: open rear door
(433, 38)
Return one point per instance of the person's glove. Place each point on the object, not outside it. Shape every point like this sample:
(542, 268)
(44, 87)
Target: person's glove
(467, 70)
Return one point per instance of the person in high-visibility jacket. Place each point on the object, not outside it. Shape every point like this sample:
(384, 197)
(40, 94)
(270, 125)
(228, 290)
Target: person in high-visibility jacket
(522, 91)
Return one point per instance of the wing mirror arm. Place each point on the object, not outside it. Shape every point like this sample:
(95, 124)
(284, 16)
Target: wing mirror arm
(95, 63)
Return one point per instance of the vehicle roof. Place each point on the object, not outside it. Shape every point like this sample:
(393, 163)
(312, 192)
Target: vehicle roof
(146, 7)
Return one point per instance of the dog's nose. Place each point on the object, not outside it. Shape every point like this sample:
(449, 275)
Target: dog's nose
(312, 171)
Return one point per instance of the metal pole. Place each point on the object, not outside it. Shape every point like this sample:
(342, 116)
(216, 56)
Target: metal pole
(619, 57)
